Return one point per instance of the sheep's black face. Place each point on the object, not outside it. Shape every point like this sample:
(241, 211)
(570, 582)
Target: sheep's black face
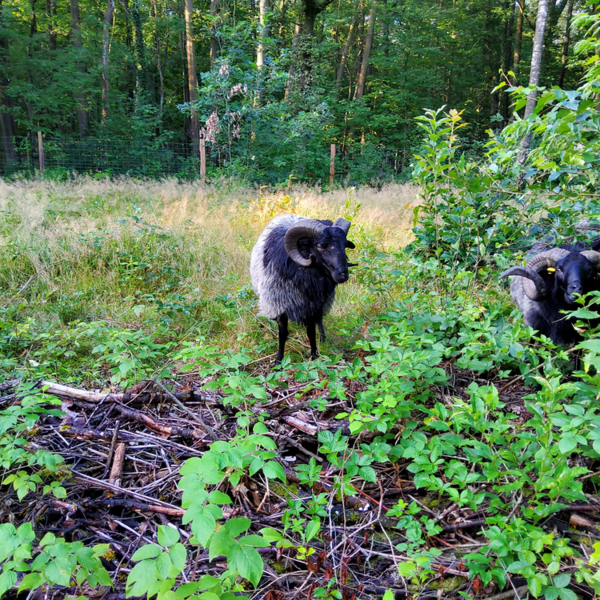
(328, 252)
(575, 276)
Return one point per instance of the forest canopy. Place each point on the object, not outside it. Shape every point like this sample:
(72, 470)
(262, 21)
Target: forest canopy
(266, 80)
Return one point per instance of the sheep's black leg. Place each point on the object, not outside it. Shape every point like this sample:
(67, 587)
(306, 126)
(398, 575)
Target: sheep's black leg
(282, 322)
(312, 338)
(321, 329)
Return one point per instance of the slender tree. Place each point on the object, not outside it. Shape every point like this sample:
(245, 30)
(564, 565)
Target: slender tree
(110, 6)
(347, 46)
(534, 74)
(362, 76)
(264, 7)
(518, 40)
(7, 119)
(214, 43)
(565, 47)
(192, 77)
(82, 115)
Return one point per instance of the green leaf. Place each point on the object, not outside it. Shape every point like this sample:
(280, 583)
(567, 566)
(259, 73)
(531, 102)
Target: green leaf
(220, 545)
(141, 577)
(31, 581)
(203, 526)
(178, 555)
(148, 551)
(551, 593)
(368, 474)
(255, 465)
(58, 571)
(217, 497)
(535, 586)
(255, 541)
(562, 580)
(567, 594)
(389, 595)
(247, 562)
(163, 565)
(273, 470)
(7, 580)
(271, 535)
(567, 443)
(167, 536)
(237, 525)
(312, 529)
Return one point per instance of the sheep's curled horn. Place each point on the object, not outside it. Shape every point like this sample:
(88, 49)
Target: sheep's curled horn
(533, 284)
(307, 228)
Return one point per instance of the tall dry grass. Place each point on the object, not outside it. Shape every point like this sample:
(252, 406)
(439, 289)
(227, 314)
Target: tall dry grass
(95, 249)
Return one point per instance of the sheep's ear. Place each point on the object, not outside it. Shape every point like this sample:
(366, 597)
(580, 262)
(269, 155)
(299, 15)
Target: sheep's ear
(350, 245)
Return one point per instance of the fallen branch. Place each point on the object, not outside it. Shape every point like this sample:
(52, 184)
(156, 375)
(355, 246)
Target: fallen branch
(117, 468)
(119, 490)
(123, 502)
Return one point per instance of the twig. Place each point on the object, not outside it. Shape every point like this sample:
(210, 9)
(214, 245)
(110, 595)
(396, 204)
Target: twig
(183, 407)
(289, 440)
(112, 448)
(117, 468)
(120, 490)
(514, 592)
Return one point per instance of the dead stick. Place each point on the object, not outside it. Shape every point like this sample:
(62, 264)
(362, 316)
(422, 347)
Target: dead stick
(464, 525)
(510, 594)
(117, 468)
(153, 424)
(122, 502)
(112, 448)
(187, 410)
(120, 490)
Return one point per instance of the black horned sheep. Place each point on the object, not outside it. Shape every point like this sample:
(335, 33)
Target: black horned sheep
(295, 267)
(550, 283)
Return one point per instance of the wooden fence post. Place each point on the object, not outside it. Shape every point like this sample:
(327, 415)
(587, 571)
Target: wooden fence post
(41, 152)
(332, 164)
(202, 159)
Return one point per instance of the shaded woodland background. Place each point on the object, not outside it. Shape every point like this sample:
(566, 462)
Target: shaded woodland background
(270, 85)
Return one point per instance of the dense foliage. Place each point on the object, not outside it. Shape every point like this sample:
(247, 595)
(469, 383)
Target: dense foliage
(351, 73)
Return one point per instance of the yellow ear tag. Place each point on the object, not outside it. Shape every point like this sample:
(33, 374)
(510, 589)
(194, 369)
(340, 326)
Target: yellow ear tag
(551, 269)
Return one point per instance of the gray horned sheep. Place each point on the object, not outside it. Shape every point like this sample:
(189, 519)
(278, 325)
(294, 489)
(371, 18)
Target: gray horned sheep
(295, 267)
(550, 283)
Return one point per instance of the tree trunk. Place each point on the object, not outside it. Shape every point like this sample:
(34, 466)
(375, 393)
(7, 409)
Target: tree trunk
(292, 70)
(110, 6)
(260, 53)
(141, 74)
(7, 120)
(518, 42)
(214, 43)
(51, 14)
(82, 116)
(362, 77)
(506, 48)
(536, 57)
(161, 78)
(534, 75)
(346, 49)
(565, 48)
(192, 79)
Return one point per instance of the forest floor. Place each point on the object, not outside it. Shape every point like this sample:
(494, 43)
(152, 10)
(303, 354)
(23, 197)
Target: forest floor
(407, 443)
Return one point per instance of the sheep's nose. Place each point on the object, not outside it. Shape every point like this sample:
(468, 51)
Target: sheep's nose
(575, 288)
(341, 276)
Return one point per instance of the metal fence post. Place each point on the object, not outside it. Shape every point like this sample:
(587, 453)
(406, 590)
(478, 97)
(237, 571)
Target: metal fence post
(202, 159)
(41, 152)
(332, 164)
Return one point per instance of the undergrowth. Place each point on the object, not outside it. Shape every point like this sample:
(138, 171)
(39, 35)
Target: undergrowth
(142, 282)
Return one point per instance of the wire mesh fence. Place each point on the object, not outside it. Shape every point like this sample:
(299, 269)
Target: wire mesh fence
(25, 156)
